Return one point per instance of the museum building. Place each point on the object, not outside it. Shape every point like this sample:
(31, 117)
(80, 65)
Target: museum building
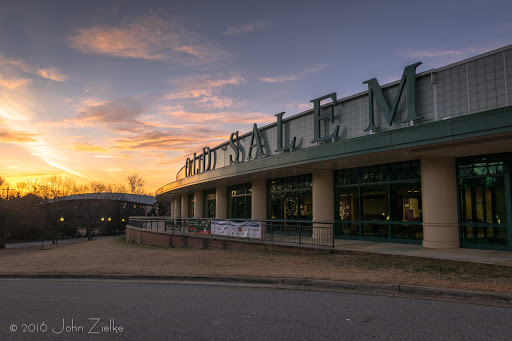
(426, 159)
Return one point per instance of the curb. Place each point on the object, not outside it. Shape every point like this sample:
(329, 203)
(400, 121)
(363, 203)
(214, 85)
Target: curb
(351, 287)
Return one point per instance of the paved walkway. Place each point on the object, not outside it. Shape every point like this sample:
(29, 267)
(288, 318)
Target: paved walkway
(460, 254)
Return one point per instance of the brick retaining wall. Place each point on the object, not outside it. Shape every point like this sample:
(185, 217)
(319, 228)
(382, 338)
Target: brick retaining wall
(136, 235)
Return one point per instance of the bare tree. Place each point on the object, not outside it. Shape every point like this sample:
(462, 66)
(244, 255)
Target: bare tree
(136, 183)
(97, 187)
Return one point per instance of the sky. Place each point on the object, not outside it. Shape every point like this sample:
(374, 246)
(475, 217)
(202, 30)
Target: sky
(96, 90)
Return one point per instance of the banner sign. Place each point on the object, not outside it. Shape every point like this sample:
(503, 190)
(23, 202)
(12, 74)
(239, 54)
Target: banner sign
(199, 226)
(247, 229)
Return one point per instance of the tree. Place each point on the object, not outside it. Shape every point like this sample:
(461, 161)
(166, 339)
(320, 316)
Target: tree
(136, 183)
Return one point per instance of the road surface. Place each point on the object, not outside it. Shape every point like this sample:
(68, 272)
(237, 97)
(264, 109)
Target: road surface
(123, 310)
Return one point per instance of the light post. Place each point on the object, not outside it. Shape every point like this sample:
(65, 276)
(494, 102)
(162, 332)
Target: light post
(105, 230)
(57, 236)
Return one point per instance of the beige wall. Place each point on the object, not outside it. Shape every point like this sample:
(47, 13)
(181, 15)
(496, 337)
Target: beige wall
(184, 205)
(259, 200)
(177, 206)
(198, 204)
(439, 202)
(323, 205)
(221, 200)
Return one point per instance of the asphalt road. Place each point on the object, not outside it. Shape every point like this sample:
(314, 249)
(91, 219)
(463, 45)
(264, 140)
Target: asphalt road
(101, 310)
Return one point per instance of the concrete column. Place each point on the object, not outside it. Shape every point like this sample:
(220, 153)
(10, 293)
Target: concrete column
(221, 202)
(184, 205)
(323, 206)
(198, 204)
(439, 203)
(172, 208)
(259, 200)
(177, 206)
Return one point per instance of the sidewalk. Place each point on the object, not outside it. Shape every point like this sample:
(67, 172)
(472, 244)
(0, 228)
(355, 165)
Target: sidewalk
(461, 254)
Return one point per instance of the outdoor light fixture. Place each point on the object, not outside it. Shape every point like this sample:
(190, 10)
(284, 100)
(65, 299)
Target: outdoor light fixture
(109, 219)
(61, 218)
(102, 219)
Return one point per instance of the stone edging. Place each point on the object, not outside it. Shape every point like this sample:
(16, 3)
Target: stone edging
(354, 287)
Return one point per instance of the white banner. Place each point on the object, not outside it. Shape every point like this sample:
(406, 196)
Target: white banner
(247, 229)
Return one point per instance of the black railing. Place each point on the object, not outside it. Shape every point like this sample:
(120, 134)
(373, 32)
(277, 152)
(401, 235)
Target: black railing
(275, 231)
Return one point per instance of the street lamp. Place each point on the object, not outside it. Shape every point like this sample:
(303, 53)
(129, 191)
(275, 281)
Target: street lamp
(105, 230)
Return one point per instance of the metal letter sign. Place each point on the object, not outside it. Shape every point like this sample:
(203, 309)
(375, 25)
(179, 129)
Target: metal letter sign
(259, 147)
(318, 117)
(280, 147)
(409, 79)
(235, 148)
(203, 162)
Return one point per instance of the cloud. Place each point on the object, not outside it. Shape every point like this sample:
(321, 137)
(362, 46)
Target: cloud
(431, 54)
(205, 92)
(48, 73)
(251, 27)
(119, 115)
(279, 79)
(87, 147)
(52, 73)
(14, 83)
(214, 102)
(438, 57)
(16, 136)
(293, 76)
(150, 37)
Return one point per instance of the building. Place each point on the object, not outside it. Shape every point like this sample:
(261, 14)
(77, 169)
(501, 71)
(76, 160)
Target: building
(426, 159)
(102, 213)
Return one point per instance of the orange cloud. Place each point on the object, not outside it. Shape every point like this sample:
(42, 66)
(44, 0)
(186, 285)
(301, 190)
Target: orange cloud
(52, 73)
(293, 76)
(48, 73)
(150, 37)
(13, 83)
(87, 147)
(15, 136)
(278, 79)
(205, 92)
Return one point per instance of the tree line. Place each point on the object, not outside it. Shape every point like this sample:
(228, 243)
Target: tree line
(31, 209)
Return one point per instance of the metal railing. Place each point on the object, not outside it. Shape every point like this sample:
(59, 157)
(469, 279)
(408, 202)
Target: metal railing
(274, 231)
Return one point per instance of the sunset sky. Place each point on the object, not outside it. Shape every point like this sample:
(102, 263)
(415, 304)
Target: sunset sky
(97, 90)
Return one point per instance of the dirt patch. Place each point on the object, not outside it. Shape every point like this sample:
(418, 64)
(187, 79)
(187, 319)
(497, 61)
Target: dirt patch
(115, 256)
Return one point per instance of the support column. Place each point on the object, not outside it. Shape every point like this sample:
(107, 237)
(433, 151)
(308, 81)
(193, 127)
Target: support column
(198, 204)
(177, 206)
(221, 202)
(184, 205)
(259, 203)
(323, 206)
(439, 203)
(173, 208)
(259, 200)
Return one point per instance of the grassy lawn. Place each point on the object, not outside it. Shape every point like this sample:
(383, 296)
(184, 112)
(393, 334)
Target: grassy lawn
(115, 255)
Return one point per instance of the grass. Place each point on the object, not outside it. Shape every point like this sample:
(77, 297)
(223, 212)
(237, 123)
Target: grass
(116, 256)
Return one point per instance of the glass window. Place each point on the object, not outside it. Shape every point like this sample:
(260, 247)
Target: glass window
(209, 203)
(293, 200)
(380, 201)
(239, 199)
(191, 205)
(482, 200)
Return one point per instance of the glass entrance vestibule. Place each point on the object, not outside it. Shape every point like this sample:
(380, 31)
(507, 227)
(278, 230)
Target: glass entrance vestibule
(379, 202)
(484, 201)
